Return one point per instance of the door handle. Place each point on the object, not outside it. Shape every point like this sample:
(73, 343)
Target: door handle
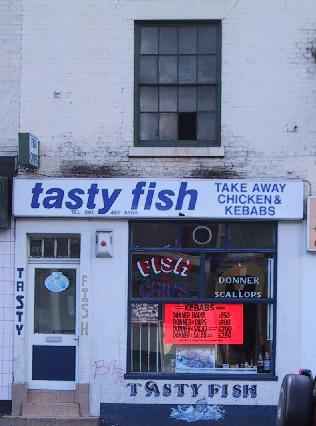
(76, 338)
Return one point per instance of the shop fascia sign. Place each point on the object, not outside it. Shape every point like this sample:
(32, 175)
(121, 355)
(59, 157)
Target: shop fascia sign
(163, 198)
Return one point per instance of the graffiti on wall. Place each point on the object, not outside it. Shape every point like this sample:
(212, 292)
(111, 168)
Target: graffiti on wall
(110, 369)
(19, 301)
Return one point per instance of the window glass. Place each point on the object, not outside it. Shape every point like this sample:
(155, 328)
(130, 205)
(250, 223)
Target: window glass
(206, 69)
(206, 98)
(155, 339)
(207, 39)
(188, 40)
(168, 40)
(35, 247)
(149, 40)
(187, 99)
(161, 234)
(201, 301)
(247, 356)
(168, 69)
(239, 275)
(165, 275)
(148, 69)
(149, 127)
(49, 247)
(187, 69)
(206, 126)
(254, 235)
(75, 247)
(55, 301)
(62, 247)
(168, 98)
(177, 66)
(202, 235)
(168, 129)
(148, 99)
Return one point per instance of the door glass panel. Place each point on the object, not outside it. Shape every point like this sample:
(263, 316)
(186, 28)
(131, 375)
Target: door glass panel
(55, 301)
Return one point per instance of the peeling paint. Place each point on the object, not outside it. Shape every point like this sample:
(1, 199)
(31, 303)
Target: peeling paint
(215, 172)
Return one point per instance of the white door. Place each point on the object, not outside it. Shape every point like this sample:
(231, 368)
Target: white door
(53, 339)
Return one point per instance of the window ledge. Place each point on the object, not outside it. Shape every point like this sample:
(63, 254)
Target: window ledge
(194, 376)
(214, 151)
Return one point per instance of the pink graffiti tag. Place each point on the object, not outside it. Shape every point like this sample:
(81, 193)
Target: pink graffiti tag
(108, 369)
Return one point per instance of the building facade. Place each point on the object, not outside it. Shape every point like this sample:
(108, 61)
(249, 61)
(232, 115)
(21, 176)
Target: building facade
(160, 246)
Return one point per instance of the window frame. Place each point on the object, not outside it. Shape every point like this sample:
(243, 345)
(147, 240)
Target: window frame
(137, 42)
(268, 301)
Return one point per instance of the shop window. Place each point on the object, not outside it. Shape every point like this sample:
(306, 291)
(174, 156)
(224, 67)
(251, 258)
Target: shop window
(204, 302)
(177, 83)
(52, 246)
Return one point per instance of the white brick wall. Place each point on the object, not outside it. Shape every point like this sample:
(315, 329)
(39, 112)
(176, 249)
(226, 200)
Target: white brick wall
(83, 51)
(6, 310)
(10, 54)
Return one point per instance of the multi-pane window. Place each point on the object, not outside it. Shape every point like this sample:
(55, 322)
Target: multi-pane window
(52, 246)
(202, 297)
(177, 83)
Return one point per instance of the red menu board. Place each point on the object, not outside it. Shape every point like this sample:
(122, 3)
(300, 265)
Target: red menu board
(203, 323)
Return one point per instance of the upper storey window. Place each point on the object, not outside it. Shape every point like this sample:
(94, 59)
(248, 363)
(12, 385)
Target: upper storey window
(177, 83)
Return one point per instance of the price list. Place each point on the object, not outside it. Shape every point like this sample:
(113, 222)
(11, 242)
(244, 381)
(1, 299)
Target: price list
(203, 323)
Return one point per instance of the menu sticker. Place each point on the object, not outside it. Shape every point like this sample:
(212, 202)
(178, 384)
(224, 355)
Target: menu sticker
(203, 323)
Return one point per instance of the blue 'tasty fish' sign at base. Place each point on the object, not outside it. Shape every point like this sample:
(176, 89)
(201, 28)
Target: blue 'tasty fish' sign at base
(171, 198)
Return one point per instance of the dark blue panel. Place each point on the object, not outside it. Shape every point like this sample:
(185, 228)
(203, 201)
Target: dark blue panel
(54, 363)
(199, 414)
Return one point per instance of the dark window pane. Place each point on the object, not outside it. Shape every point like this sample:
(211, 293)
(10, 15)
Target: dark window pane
(149, 99)
(187, 125)
(206, 69)
(160, 275)
(187, 99)
(168, 126)
(239, 275)
(188, 40)
(202, 235)
(62, 247)
(148, 69)
(154, 235)
(207, 39)
(251, 235)
(149, 40)
(206, 126)
(206, 98)
(148, 127)
(49, 247)
(55, 301)
(75, 247)
(35, 247)
(168, 99)
(168, 69)
(168, 40)
(187, 69)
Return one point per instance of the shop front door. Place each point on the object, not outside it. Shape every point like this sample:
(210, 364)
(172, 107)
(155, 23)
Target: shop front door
(52, 327)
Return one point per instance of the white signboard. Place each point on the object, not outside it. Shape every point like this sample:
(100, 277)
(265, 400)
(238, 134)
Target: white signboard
(170, 198)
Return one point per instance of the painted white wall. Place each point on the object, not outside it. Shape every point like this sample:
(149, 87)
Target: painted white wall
(103, 352)
(77, 87)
